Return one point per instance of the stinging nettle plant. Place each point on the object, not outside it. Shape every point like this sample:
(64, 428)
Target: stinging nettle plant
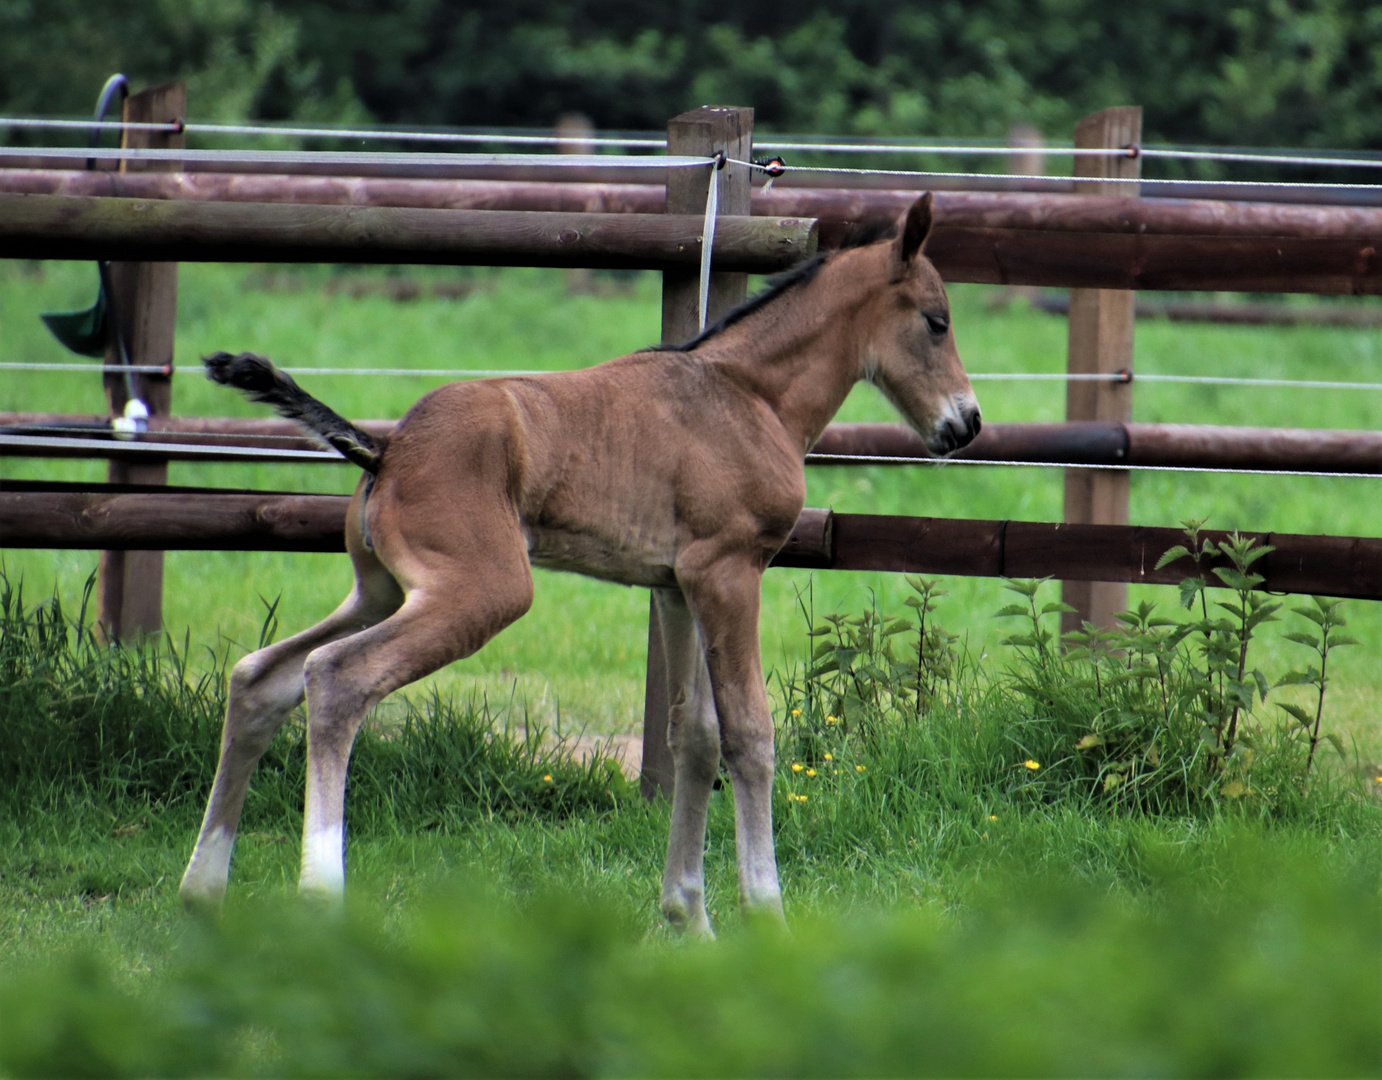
(1159, 713)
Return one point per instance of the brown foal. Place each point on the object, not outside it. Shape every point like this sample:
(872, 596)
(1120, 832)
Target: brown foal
(679, 469)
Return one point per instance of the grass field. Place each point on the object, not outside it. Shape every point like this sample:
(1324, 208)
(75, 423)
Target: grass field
(954, 912)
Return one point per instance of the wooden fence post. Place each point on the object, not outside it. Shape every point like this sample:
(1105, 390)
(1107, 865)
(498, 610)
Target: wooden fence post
(144, 297)
(701, 131)
(1100, 342)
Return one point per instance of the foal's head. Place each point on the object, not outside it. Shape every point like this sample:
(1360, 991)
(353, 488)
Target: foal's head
(908, 348)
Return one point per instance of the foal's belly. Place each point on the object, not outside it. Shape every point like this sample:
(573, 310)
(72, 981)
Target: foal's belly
(628, 559)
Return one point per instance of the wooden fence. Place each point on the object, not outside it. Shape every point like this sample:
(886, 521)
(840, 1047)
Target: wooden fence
(1100, 243)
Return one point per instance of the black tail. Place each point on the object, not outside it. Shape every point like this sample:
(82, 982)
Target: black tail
(259, 380)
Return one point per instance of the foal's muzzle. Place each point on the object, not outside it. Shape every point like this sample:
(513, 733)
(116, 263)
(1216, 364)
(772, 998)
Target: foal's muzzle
(957, 426)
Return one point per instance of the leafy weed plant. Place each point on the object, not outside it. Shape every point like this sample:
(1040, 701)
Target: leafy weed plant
(1162, 715)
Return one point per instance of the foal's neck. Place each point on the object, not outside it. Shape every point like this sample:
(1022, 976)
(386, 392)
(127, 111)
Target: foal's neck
(803, 353)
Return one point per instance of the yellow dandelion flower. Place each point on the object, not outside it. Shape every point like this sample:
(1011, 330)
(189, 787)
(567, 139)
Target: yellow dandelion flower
(993, 817)
(1030, 764)
(797, 766)
(858, 768)
(801, 798)
(832, 720)
(547, 778)
(796, 712)
(810, 772)
(829, 757)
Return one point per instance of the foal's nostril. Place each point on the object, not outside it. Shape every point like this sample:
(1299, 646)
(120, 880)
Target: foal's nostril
(974, 423)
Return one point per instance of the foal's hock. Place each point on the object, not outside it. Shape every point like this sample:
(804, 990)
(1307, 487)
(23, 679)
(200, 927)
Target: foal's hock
(676, 468)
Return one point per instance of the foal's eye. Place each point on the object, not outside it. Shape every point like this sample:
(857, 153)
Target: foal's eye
(937, 324)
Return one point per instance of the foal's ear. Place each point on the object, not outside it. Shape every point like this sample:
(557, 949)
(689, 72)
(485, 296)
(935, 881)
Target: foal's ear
(917, 228)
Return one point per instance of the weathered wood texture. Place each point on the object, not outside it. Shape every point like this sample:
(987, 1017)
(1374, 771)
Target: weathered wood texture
(192, 519)
(704, 131)
(996, 238)
(1101, 325)
(144, 298)
(70, 227)
(1084, 443)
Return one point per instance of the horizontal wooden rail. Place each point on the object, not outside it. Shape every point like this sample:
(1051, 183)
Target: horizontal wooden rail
(614, 176)
(31, 517)
(80, 227)
(953, 209)
(994, 237)
(1077, 443)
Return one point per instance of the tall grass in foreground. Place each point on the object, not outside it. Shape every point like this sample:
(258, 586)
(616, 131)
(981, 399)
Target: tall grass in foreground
(1276, 977)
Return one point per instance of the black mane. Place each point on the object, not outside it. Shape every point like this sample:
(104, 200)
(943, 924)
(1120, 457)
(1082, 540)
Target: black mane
(798, 275)
(859, 234)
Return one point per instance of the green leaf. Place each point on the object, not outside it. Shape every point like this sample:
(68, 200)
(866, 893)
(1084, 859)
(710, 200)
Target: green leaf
(1306, 720)
(1261, 681)
(1308, 640)
(1337, 743)
(1180, 551)
(1056, 605)
(823, 648)
(1010, 611)
(1339, 640)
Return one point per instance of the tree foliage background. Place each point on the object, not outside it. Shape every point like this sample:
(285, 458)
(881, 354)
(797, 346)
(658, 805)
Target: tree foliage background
(1258, 72)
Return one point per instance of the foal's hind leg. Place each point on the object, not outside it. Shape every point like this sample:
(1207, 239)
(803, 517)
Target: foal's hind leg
(694, 735)
(265, 687)
(450, 612)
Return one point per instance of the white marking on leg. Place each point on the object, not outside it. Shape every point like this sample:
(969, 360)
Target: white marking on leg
(209, 868)
(323, 861)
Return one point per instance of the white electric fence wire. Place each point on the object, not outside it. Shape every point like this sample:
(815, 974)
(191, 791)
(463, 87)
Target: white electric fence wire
(164, 435)
(501, 373)
(634, 142)
(647, 161)
(339, 133)
(875, 459)
(363, 157)
(1043, 178)
(157, 448)
(712, 207)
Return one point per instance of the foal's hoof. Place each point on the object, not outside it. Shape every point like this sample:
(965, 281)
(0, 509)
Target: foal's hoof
(688, 922)
(203, 903)
(319, 898)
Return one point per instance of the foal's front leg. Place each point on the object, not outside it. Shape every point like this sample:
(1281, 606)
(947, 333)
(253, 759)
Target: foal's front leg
(693, 732)
(724, 595)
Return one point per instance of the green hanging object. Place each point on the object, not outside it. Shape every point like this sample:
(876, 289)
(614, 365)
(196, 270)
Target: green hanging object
(83, 332)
